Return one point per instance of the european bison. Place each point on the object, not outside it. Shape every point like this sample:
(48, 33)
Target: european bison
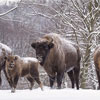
(57, 55)
(97, 63)
(4, 51)
(22, 67)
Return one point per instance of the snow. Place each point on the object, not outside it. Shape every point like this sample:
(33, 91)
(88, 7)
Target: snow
(27, 59)
(7, 49)
(7, 1)
(50, 94)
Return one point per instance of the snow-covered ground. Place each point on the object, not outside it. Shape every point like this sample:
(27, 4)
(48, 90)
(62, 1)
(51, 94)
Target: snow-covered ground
(50, 94)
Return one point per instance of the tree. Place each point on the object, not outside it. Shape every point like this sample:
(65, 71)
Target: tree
(76, 20)
(81, 18)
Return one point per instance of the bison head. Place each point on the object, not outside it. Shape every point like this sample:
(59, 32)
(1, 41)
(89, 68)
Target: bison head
(42, 48)
(11, 62)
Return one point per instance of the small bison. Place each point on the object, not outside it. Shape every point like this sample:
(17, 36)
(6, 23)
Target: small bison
(22, 67)
(97, 63)
(57, 55)
(4, 51)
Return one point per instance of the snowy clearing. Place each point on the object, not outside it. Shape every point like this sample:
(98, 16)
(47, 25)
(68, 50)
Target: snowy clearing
(50, 94)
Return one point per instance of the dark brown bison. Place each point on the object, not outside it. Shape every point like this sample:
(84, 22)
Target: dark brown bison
(97, 63)
(22, 67)
(58, 55)
(4, 51)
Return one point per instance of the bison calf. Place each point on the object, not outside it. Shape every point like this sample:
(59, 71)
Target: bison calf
(97, 63)
(22, 67)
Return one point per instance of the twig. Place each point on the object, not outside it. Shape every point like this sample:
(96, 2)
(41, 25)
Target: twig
(8, 11)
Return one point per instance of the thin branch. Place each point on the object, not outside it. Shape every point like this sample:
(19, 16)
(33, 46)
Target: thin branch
(2, 14)
(5, 13)
(81, 14)
(40, 14)
(11, 20)
(79, 11)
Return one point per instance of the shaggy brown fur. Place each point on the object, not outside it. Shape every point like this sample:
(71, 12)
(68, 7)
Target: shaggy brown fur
(97, 63)
(58, 55)
(17, 67)
(2, 62)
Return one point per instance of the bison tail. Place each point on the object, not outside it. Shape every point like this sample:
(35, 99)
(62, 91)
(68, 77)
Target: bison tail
(79, 55)
(0, 79)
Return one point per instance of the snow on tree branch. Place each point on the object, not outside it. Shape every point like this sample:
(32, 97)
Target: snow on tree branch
(5, 13)
(2, 14)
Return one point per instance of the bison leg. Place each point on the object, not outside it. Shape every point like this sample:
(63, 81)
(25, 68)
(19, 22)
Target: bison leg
(0, 78)
(31, 80)
(35, 76)
(15, 81)
(59, 79)
(76, 75)
(39, 82)
(11, 85)
(98, 76)
(9, 81)
(71, 76)
(52, 80)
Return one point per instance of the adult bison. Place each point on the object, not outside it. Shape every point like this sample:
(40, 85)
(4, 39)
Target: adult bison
(4, 51)
(22, 67)
(97, 63)
(58, 55)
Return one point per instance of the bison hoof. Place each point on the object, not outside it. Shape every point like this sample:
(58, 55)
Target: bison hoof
(13, 90)
(77, 88)
(42, 88)
(52, 87)
(59, 87)
(98, 88)
(31, 88)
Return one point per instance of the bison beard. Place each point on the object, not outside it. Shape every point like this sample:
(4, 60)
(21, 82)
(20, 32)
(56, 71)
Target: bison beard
(59, 56)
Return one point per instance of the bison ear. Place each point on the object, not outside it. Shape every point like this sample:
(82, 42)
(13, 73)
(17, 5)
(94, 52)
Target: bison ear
(16, 57)
(33, 45)
(51, 45)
